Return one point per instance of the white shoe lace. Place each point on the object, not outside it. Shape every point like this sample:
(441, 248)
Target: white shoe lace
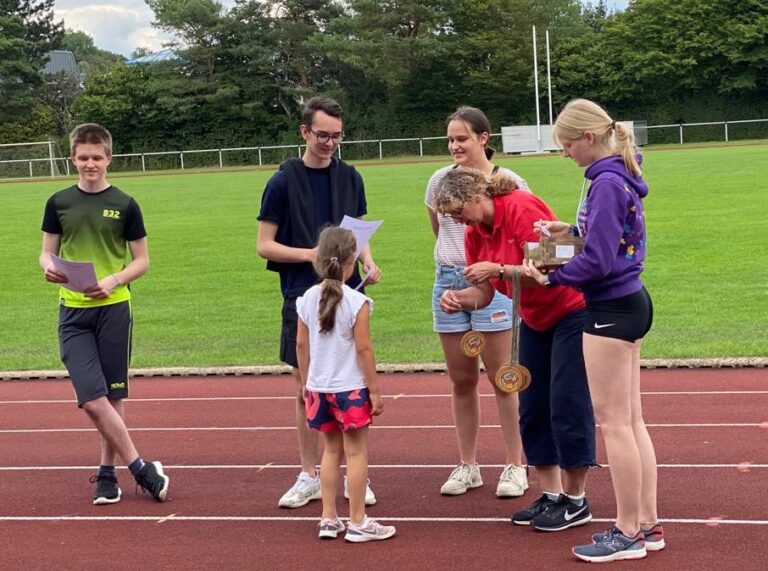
(461, 473)
(303, 484)
(514, 474)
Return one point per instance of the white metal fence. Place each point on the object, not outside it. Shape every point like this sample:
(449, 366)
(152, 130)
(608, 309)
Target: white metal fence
(356, 150)
(681, 127)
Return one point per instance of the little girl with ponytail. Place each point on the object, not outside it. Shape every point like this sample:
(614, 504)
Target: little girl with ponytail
(341, 392)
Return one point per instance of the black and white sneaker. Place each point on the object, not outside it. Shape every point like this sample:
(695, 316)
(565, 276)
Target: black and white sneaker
(564, 514)
(107, 491)
(525, 516)
(153, 480)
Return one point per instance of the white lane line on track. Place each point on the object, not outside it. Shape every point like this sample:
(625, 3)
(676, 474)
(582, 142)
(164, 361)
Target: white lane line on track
(763, 425)
(398, 396)
(742, 466)
(178, 518)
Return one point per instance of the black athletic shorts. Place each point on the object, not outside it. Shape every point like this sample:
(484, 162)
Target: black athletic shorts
(95, 346)
(288, 333)
(628, 318)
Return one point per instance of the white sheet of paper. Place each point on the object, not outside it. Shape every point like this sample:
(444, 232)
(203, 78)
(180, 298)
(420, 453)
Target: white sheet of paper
(362, 229)
(80, 275)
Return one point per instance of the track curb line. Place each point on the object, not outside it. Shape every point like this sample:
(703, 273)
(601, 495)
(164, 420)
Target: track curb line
(388, 368)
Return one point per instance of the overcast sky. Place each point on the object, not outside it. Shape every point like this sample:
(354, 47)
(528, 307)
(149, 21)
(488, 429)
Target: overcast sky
(121, 26)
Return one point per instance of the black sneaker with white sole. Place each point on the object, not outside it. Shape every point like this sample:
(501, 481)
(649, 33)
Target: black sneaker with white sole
(153, 480)
(107, 491)
(524, 517)
(564, 514)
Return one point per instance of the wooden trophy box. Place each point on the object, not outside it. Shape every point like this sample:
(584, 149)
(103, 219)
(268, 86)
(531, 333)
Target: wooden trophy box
(551, 252)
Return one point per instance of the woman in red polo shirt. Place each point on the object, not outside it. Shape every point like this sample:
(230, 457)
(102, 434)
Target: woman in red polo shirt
(556, 420)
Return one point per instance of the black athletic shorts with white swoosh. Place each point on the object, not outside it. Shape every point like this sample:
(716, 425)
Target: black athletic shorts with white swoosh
(628, 318)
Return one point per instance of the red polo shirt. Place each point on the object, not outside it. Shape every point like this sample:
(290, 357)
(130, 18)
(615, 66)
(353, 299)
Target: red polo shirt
(513, 219)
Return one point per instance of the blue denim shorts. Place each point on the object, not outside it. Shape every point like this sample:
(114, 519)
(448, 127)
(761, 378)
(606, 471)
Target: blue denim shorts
(497, 316)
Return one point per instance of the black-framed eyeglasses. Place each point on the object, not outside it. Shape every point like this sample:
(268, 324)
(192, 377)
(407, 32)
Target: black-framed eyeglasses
(324, 138)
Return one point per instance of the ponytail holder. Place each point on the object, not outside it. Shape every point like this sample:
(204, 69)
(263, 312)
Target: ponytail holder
(333, 259)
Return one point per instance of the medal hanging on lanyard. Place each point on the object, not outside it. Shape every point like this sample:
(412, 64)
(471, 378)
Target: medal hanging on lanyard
(514, 377)
(473, 342)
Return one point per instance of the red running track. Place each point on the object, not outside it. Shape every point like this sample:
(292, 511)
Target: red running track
(229, 449)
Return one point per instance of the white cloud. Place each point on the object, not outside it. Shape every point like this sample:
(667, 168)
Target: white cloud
(118, 26)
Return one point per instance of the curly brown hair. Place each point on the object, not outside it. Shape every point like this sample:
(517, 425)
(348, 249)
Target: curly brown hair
(462, 186)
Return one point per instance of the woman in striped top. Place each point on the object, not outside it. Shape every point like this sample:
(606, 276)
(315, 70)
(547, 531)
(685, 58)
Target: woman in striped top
(468, 134)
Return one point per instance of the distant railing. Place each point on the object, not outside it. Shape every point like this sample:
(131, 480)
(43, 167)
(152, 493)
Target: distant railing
(681, 126)
(354, 150)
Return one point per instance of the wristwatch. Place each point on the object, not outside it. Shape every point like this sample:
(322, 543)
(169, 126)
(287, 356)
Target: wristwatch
(546, 282)
(501, 271)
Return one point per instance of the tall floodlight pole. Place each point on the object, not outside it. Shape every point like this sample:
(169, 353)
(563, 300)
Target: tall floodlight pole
(549, 82)
(50, 158)
(536, 85)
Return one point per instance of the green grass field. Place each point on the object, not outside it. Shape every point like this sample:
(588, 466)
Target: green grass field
(208, 299)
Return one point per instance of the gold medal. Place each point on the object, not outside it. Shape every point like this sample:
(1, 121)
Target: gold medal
(514, 377)
(472, 343)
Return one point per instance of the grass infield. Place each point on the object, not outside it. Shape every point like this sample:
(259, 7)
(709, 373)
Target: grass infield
(209, 301)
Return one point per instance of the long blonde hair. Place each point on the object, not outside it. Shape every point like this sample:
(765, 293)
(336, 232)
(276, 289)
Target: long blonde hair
(582, 115)
(335, 247)
(462, 186)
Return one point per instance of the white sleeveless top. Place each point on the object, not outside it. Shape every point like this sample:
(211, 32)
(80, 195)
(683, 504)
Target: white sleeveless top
(333, 364)
(449, 249)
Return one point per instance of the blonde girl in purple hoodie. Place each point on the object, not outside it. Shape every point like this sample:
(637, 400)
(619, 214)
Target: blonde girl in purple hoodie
(619, 314)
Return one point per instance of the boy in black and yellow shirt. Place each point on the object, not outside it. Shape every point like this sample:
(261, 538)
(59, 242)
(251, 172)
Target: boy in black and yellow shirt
(94, 221)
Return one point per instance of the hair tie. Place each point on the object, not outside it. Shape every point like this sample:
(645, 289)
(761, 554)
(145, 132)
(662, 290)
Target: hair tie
(333, 259)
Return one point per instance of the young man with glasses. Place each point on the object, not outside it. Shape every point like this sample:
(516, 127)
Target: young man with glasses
(299, 199)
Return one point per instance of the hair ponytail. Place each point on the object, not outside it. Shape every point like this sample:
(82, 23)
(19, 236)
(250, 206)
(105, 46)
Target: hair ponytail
(330, 298)
(335, 247)
(501, 184)
(625, 144)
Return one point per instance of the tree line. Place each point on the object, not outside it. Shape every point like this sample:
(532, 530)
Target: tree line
(397, 66)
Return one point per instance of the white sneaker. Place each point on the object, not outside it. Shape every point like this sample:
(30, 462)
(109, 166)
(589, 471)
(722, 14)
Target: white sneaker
(463, 477)
(368, 530)
(370, 497)
(513, 482)
(330, 528)
(306, 489)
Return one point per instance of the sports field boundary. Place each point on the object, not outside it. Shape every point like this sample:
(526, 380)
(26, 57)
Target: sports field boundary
(368, 162)
(426, 367)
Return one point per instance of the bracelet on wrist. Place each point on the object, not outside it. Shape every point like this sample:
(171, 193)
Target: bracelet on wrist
(117, 280)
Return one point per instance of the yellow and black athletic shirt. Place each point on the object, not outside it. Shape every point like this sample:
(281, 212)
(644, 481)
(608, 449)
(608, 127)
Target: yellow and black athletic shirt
(94, 227)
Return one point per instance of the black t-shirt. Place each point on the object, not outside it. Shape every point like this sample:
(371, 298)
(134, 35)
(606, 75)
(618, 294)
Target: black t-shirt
(295, 279)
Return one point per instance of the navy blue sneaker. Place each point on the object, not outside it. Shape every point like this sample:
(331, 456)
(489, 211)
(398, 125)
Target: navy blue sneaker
(524, 517)
(107, 491)
(562, 515)
(153, 480)
(612, 545)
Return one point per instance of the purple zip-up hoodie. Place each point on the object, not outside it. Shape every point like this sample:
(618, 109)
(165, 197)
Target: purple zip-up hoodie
(612, 223)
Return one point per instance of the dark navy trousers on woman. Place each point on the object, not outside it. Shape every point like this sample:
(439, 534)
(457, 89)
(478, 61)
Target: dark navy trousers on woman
(556, 420)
